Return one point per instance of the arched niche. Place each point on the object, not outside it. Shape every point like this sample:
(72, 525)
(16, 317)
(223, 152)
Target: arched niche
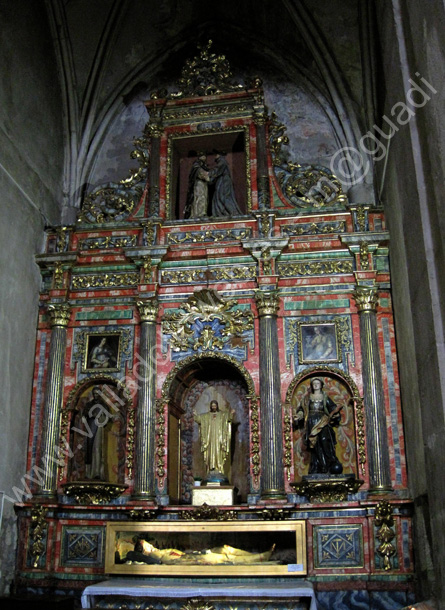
(95, 418)
(190, 387)
(341, 388)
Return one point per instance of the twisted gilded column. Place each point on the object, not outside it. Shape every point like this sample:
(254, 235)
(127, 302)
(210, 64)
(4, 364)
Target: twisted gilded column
(144, 485)
(378, 456)
(272, 470)
(59, 318)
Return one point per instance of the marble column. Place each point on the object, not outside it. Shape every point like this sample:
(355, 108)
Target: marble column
(377, 439)
(144, 486)
(59, 318)
(272, 469)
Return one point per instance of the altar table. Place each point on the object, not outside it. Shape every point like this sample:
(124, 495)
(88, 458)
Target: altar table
(296, 594)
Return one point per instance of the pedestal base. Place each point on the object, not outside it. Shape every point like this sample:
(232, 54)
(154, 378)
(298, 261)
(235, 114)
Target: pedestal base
(327, 488)
(223, 495)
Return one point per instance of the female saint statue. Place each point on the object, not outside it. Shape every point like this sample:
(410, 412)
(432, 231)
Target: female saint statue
(319, 414)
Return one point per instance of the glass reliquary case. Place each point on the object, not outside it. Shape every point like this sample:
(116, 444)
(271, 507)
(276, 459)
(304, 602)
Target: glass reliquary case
(248, 548)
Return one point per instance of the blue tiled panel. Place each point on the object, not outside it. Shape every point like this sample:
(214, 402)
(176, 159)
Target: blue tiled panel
(82, 546)
(338, 547)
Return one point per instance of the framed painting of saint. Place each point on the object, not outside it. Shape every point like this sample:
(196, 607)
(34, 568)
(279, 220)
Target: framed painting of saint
(102, 352)
(318, 342)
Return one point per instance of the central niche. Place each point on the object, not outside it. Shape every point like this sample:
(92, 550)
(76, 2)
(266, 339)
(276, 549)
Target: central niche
(194, 388)
(184, 150)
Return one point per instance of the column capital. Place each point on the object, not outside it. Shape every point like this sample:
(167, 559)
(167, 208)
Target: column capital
(259, 116)
(155, 130)
(366, 298)
(60, 314)
(148, 309)
(267, 302)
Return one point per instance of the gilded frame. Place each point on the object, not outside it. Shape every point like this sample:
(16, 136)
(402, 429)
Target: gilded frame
(111, 360)
(318, 342)
(214, 136)
(288, 529)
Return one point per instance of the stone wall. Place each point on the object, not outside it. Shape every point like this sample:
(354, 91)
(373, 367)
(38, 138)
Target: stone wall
(30, 178)
(412, 41)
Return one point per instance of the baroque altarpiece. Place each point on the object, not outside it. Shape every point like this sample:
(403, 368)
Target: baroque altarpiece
(271, 289)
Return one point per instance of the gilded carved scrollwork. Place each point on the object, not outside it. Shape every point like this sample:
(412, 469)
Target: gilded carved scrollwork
(210, 513)
(37, 532)
(314, 228)
(107, 243)
(197, 604)
(213, 274)
(215, 236)
(130, 441)
(63, 238)
(58, 276)
(148, 514)
(364, 255)
(255, 436)
(115, 201)
(384, 521)
(205, 322)
(327, 490)
(205, 74)
(321, 267)
(287, 432)
(304, 186)
(149, 232)
(161, 428)
(93, 492)
(275, 514)
(104, 280)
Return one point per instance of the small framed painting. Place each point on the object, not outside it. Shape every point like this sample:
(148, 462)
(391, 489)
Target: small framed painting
(318, 342)
(102, 351)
